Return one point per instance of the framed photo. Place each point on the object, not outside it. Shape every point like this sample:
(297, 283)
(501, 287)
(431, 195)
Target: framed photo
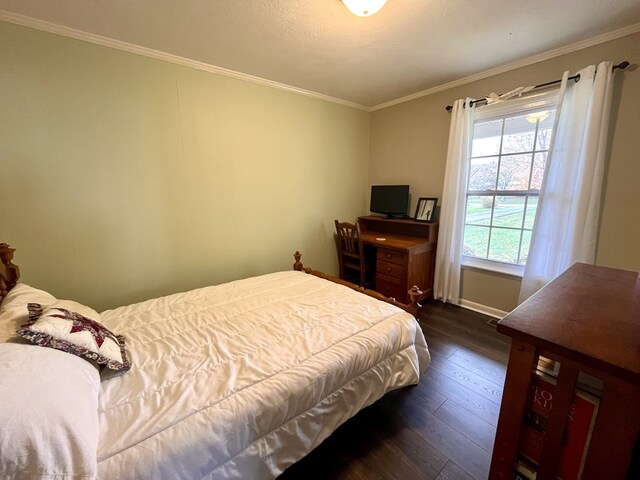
(425, 209)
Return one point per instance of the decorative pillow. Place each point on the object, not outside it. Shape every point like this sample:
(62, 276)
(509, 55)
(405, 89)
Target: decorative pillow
(13, 309)
(75, 328)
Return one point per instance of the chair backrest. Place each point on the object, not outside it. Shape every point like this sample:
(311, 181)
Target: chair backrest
(349, 238)
(350, 250)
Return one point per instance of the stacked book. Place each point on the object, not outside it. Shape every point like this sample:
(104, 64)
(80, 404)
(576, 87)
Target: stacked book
(581, 418)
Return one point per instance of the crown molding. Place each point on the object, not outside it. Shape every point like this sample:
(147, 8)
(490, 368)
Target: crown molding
(49, 27)
(556, 52)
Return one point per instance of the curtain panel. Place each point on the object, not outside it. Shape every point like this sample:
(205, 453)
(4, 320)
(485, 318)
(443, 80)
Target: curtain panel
(568, 214)
(451, 230)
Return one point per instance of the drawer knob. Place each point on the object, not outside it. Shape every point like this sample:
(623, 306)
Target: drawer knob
(388, 255)
(388, 269)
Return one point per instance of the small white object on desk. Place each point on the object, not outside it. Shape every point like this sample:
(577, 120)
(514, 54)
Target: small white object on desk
(381, 239)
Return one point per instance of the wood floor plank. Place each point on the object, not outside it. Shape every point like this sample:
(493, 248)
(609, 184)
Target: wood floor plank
(427, 459)
(480, 432)
(451, 471)
(481, 335)
(488, 410)
(449, 441)
(463, 319)
(442, 344)
(452, 340)
(430, 399)
(471, 324)
(480, 365)
(488, 389)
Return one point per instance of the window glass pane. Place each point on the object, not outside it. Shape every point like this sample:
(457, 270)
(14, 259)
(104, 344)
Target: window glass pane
(544, 131)
(524, 249)
(518, 135)
(483, 173)
(508, 212)
(539, 163)
(532, 205)
(486, 138)
(504, 245)
(514, 172)
(479, 209)
(509, 154)
(476, 240)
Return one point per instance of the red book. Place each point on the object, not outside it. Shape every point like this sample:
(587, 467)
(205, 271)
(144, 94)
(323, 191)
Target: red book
(582, 413)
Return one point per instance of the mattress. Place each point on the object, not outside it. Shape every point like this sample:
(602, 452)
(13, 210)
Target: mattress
(241, 380)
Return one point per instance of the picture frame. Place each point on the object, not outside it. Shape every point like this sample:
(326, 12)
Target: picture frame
(425, 209)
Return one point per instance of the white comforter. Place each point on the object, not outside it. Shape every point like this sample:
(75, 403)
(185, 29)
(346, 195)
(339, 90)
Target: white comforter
(243, 379)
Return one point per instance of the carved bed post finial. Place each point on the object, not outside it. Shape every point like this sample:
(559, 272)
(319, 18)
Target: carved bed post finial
(9, 273)
(298, 265)
(414, 294)
(6, 253)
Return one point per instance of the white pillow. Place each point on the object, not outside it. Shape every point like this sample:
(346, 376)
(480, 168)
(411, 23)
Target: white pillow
(13, 309)
(74, 328)
(48, 414)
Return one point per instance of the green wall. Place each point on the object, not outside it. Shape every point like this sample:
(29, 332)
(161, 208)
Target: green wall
(124, 177)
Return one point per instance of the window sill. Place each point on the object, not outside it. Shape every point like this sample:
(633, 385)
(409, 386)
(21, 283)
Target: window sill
(493, 266)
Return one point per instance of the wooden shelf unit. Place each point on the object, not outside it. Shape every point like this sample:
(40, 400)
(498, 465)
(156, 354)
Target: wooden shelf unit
(587, 319)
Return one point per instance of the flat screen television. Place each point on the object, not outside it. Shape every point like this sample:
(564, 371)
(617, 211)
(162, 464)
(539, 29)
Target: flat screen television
(391, 200)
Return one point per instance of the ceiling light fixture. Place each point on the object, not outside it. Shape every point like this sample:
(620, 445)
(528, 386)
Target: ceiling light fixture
(537, 116)
(364, 8)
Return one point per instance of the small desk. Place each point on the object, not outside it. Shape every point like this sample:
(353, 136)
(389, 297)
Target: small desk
(407, 256)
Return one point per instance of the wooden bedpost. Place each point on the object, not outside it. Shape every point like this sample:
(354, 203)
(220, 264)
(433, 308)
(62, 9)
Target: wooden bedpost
(414, 295)
(9, 273)
(298, 265)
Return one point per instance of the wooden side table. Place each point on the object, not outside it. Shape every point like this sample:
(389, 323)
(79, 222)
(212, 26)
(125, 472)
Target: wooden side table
(588, 319)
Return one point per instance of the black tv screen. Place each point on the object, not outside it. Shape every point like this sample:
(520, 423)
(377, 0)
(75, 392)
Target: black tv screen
(389, 199)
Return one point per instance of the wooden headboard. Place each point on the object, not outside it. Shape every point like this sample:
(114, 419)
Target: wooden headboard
(9, 273)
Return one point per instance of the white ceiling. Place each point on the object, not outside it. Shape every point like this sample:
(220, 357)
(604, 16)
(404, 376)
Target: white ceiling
(317, 45)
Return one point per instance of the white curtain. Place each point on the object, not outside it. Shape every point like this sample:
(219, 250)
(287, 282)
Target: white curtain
(566, 225)
(449, 253)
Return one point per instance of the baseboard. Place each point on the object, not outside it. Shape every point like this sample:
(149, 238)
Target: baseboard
(478, 307)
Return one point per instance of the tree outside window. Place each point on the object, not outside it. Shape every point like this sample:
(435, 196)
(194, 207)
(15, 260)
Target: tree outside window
(506, 169)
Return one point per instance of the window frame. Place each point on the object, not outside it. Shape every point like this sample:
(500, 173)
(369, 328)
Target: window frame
(519, 106)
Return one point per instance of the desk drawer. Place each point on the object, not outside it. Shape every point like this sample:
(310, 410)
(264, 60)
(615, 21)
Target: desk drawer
(391, 287)
(391, 269)
(392, 256)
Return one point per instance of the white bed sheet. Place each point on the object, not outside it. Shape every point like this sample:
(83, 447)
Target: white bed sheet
(241, 380)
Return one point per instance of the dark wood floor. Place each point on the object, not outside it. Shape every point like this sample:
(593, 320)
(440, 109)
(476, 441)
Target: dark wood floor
(441, 429)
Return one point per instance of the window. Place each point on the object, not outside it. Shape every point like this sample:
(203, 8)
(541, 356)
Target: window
(506, 167)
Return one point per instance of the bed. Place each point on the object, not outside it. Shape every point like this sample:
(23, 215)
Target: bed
(238, 380)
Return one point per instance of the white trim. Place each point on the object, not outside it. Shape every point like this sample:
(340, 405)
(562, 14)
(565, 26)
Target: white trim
(49, 27)
(518, 105)
(589, 42)
(493, 266)
(478, 307)
(167, 57)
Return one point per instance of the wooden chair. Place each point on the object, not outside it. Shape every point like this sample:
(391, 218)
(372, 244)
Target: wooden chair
(354, 265)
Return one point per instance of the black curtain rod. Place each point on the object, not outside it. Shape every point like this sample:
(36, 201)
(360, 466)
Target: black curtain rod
(576, 77)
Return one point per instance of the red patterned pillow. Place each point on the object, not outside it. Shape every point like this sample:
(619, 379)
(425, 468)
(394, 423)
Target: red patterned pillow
(76, 333)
